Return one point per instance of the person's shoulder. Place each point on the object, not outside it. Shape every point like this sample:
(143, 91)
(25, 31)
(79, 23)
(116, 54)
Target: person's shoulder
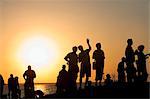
(80, 53)
(87, 50)
(32, 70)
(119, 63)
(69, 53)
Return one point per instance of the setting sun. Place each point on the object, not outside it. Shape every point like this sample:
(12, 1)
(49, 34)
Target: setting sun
(38, 51)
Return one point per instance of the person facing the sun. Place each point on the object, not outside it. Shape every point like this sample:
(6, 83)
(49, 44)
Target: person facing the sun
(29, 76)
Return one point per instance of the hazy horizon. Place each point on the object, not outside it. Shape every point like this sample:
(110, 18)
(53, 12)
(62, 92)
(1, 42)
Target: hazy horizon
(46, 30)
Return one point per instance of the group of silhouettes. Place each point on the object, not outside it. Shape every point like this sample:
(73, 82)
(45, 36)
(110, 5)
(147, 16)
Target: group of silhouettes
(66, 80)
(134, 73)
(14, 91)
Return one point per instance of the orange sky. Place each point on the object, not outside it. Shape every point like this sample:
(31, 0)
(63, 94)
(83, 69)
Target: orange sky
(60, 25)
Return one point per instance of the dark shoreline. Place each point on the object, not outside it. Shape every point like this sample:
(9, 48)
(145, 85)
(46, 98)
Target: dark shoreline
(135, 90)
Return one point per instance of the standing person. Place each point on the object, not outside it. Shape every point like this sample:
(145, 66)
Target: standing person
(84, 59)
(120, 70)
(10, 85)
(1, 85)
(141, 63)
(72, 61)
(130, 59)
(29, 76)
(62, 80)
(98, 57)
(16, 90)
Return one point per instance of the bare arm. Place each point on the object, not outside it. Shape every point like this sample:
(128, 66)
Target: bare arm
(89, 44)
(66, 58)
(24, 75)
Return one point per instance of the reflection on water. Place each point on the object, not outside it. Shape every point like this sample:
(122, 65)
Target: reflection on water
(48, 88)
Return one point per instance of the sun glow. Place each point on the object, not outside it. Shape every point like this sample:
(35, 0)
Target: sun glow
(38, 51)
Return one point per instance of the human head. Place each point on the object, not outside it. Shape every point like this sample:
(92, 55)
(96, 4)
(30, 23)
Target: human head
(141, 48)
(80, 47)
(98, 45)
(11, 75)
(130, 41)
(29, 67)
(1, 76)
(123, 59)
(63, 66)
(108, 76)
(74, 49)
(16, 78)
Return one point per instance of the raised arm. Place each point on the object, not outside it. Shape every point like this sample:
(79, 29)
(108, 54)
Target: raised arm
(88, 43)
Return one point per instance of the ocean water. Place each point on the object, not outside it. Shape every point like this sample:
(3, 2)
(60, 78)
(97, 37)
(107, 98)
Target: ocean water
(46, 88)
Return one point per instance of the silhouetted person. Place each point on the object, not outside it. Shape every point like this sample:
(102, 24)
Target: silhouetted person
(130, 58)
(98, 57)
(1, 85)
(141, 63)
(29, 76)
(16, 89)
(108, 81)
(72, 61)
(10, 85)
(121, 69)
(84, 59)
(62, 81)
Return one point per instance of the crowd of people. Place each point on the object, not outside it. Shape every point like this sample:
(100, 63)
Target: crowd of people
(14, 91)
(134, 72)
(66, 80)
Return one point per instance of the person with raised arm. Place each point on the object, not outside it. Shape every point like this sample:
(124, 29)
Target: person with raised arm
(84, 59)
